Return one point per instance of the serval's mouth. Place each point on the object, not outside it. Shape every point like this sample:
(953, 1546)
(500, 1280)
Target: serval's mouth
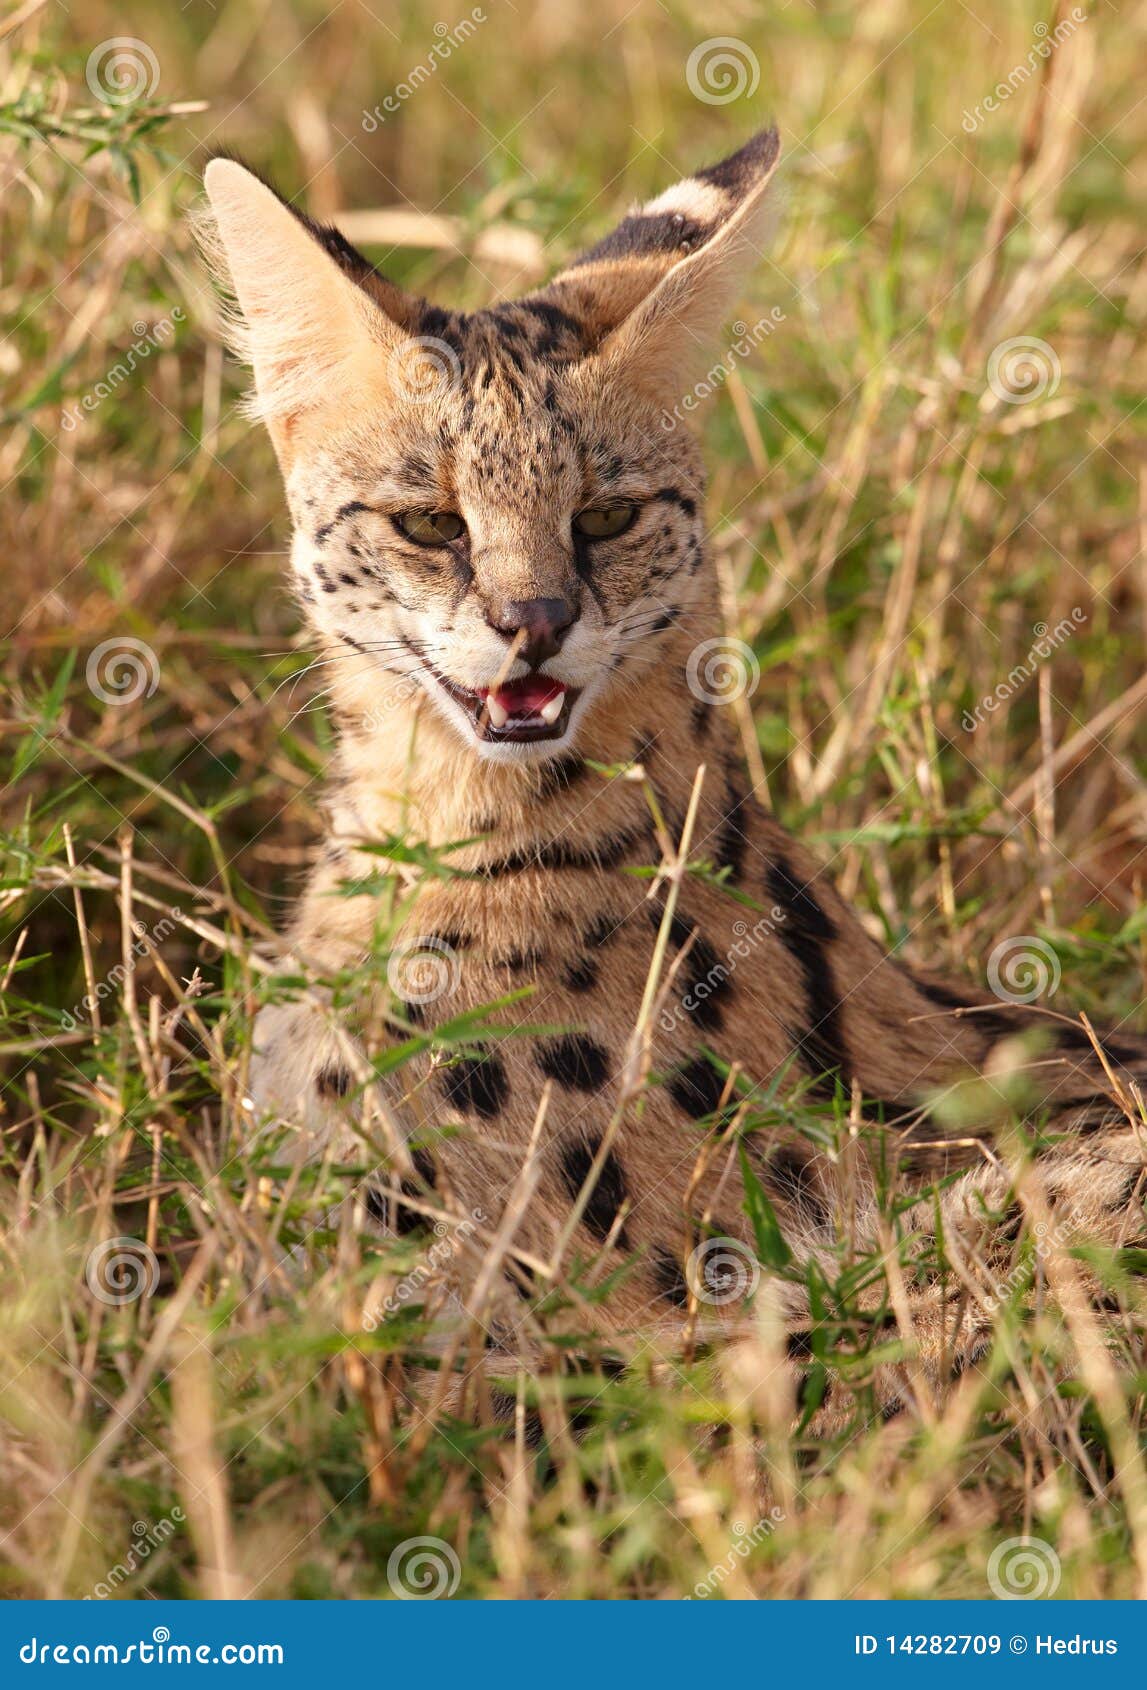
(537, 707)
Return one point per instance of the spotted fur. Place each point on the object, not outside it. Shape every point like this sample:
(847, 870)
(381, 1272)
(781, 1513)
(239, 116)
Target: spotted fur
(535, 410)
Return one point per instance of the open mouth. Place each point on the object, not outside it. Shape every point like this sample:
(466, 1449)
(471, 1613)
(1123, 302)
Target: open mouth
(536, 707)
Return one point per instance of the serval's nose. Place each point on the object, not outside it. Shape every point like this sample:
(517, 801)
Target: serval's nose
(543, 623)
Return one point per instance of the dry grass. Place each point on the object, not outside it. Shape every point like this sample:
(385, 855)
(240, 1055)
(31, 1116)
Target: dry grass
(890, 535)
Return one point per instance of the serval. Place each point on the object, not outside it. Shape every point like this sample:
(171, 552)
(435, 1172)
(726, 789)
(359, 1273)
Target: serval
(500, 548)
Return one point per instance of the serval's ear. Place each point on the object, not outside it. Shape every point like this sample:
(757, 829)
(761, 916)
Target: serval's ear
(312, 317)
(654, 293)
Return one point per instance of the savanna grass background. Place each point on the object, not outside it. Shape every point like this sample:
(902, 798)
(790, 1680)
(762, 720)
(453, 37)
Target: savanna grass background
(893, 534)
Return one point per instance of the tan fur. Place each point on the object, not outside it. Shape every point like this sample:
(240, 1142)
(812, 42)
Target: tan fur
(544, 409)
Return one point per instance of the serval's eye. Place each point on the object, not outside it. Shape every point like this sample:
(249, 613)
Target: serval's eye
(430, 528)
(604, 522)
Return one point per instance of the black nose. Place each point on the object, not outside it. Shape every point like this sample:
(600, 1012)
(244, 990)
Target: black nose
(543, 621)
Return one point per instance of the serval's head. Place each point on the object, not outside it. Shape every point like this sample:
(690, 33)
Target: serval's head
(499, 505)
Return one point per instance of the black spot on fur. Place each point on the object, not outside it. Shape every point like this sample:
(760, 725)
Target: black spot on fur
(674, 496)
(504, 1408)
(581, 976)
(377, 1205)
(341, 515)
(806, 1392)
(798, 1344)
(994, 1024)
(799, 902)
(407, 1220)
(1074, 1038)
(701, 718)
(705, 979)
(722, 1276)
(561, 774)
(696, 1088)
(560, 854)
(1130, 1187)
(517, 961)
(608, 1194)
(603, 930)
(646, 745)
(524, 1282)
(974, 1352)
(576, 1062)
(451, 938)
(477, 1084)
(333, 1080)
(805, 932)
(732, 840)
(1012, 1222)
(558, 329)
(669, 1277)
